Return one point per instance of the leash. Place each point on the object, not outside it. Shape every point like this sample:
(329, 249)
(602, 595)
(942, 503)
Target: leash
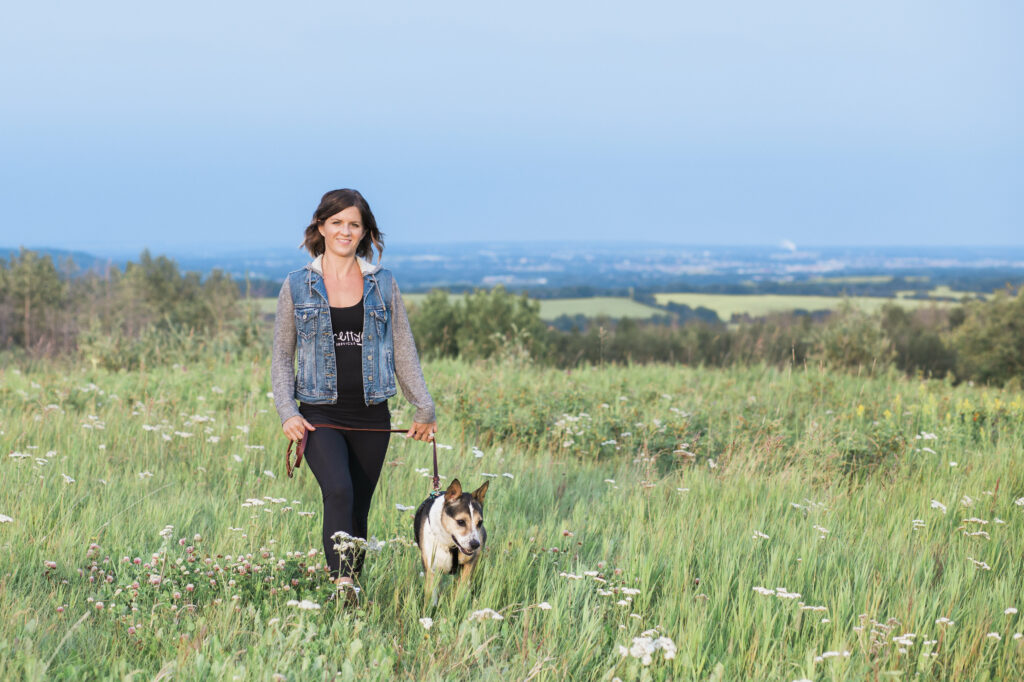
(301, 449)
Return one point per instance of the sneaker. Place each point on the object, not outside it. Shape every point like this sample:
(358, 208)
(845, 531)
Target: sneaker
(346, 594)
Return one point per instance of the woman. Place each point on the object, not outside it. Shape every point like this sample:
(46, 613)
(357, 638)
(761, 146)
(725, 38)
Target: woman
(341, 338)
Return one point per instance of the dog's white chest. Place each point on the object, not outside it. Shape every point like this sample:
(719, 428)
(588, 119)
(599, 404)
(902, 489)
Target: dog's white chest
(437, 545)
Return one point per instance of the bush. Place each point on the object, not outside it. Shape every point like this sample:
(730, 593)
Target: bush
(990, 340)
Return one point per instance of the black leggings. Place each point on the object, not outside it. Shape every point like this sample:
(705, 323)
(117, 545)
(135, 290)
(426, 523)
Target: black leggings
(347, 466)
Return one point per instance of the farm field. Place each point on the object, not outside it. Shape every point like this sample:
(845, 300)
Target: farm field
(655, 522)
(727, 305)
(945, 292)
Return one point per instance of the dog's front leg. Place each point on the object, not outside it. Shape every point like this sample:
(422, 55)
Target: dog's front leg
(465, 575)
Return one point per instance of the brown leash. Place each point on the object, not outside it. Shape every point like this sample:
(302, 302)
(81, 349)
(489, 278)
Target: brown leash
(301, 449)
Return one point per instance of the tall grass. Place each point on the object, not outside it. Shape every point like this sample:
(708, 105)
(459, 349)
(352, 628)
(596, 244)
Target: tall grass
(634, 501)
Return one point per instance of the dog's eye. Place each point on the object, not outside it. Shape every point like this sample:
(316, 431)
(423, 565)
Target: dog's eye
(479, 523)
(462, 523)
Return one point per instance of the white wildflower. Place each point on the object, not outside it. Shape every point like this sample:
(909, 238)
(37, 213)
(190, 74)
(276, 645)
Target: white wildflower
(758, 535)
(402, 507)
(486, 614)
(945, 621)
(831, 654)
(68, 479)
(4, 518)
(426, 622)
(544, 606)
(994, 635)
(643, 648)
(938, 505)
(305, 604)
(1011, 611)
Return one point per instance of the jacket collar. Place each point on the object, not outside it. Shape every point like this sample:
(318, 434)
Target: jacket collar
(365, 266)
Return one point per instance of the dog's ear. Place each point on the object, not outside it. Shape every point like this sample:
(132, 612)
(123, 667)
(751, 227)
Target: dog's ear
(453, 492)
(478, 494)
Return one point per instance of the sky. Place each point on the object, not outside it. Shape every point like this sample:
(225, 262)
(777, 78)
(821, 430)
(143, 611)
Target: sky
(193, 126)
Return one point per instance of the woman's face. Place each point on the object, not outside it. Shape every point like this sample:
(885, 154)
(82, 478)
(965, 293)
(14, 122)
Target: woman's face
(342, 232)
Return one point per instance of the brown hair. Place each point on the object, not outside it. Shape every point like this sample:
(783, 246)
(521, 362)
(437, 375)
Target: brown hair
(335, 201)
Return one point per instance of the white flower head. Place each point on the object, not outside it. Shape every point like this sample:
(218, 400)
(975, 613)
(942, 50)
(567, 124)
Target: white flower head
(486, 614)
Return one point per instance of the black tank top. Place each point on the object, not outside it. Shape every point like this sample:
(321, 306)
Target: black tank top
(350, 408)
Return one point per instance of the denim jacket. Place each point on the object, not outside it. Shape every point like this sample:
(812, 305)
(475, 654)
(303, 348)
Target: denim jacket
(304, 365)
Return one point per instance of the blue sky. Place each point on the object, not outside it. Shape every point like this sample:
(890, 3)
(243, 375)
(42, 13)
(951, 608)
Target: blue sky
(209, 126)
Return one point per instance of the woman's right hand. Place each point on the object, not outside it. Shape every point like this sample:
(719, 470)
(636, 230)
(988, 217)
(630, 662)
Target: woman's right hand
(295, 427)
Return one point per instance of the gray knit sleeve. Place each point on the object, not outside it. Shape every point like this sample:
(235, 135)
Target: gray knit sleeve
(282, 363)
(407, 362)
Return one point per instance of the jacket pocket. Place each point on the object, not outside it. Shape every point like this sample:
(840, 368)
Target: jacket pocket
(306, 322)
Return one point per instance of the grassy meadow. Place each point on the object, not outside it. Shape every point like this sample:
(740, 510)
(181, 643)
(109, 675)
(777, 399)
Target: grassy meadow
(655, 522)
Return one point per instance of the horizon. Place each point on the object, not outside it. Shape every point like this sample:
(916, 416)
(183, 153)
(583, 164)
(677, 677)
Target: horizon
(594, 246)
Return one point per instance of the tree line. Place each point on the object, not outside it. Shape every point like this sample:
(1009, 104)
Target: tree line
(977, 340)
(151, 312)
(148, 312)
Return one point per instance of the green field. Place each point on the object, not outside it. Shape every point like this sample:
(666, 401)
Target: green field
(945, 292)
(752, 524)
(756, 305)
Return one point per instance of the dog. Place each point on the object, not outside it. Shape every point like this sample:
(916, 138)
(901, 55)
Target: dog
(449, 530)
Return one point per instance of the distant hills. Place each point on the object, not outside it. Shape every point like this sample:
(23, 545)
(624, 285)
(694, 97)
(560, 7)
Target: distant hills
(548, 270)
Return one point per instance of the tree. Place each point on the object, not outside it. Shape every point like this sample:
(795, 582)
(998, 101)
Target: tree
(32, 290)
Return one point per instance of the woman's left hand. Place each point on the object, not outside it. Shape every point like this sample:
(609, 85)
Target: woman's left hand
(424, 432)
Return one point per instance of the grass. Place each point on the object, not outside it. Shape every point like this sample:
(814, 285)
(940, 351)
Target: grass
(635, 501)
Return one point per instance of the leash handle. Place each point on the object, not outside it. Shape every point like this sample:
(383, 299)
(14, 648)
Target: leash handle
(300, 448)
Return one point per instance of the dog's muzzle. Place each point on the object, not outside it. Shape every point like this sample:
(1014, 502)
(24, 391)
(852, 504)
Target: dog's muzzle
(461, 549)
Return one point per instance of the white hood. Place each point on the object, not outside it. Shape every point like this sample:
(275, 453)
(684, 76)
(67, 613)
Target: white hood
(365, 266)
